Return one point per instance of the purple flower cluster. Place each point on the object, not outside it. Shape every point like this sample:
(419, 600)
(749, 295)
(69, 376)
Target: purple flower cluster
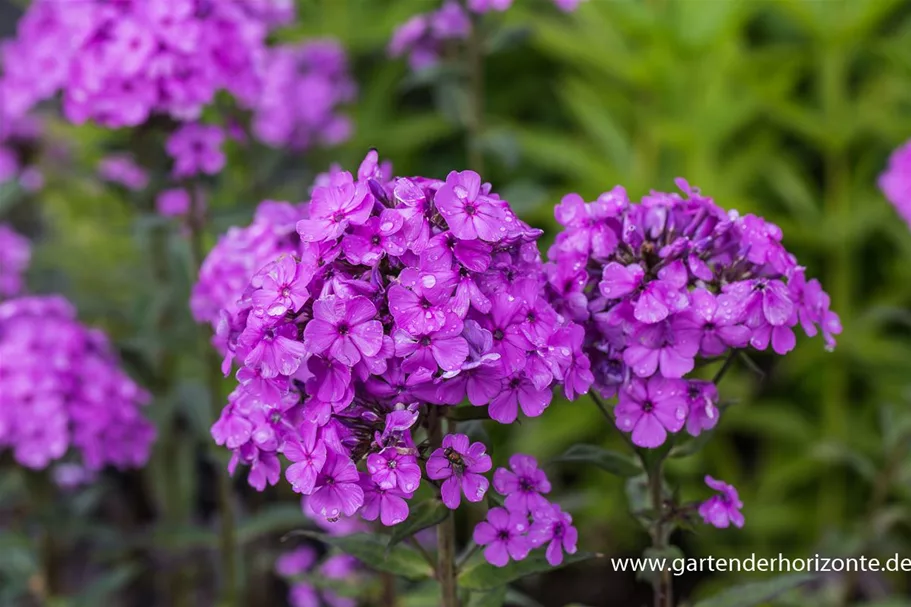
(302, 87)
(423, 36)
(61, 388)
(895, 181)
(302, 561)
(670, 280)
(484, 6)
(117, 63)
(528, 520)
(723, 509)
(15, 253)
(123, 170)
(400, 295)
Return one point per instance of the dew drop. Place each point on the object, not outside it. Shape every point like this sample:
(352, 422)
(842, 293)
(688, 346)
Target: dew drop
(565, 351)
(625, 423)
(429, 281)
(710, 411)
(681, 413)
(386, 226)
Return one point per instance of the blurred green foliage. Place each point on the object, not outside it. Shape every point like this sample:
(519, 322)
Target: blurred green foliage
(784, 108)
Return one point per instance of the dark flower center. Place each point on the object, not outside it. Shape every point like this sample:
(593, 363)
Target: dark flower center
(503, 534)
(648, 406)
(376, 239)
(338, 216)
(392, 464)
(470, 209)
(426, 304)
(425, 341)
(498, 334)
(526, 485)
(343, 328)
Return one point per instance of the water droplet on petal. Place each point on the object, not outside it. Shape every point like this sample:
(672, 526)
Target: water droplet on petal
(681, 413)
(429, 281)
(386, 226)
(710, 411)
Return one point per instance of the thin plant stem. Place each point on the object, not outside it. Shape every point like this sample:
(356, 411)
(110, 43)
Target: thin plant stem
(445, 568)
(610, 418)
(227, 535)
(725, 367)
(475, 65)
(664, 590)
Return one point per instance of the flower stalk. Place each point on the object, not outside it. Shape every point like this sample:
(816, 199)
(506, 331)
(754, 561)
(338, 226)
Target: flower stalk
(227, 536)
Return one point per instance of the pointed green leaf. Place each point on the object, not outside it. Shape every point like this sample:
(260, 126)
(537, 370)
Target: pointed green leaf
(428, 513)
(485, 576)
(371, 550)
(609, 461)
(756, 593)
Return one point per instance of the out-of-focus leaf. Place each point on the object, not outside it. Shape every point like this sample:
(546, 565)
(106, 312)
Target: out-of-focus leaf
(426, 514)
(100, 591)
(835, 453)
(485, 576)
(371, 550)
(605, 459)
(488, 598)
(274, 518)
(756, 593)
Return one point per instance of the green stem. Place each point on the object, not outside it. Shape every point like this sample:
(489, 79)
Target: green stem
(475, 61)
(446, 548)
(664, 589)
(227, 535)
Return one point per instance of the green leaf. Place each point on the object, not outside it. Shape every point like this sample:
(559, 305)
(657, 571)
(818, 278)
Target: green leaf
(371, 550)
(609, 461)
(489, 598)
(485, 576)
(756, 593)
(428, 513)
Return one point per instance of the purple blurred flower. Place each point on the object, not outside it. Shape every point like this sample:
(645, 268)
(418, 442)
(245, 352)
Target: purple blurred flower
(123, 170)
(895, 181)
(173, 203)
(723, 509)
(63, 390)
(196, 148)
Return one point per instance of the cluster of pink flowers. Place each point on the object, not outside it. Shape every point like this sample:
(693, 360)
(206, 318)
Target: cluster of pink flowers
(297, 565)
(15, 253)
(895, 181)
(527, 520)
(663, 283)
(402, 294)
(303, 86)
(424, 36)
(117, 63)
(61, 389)
(304, 560)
